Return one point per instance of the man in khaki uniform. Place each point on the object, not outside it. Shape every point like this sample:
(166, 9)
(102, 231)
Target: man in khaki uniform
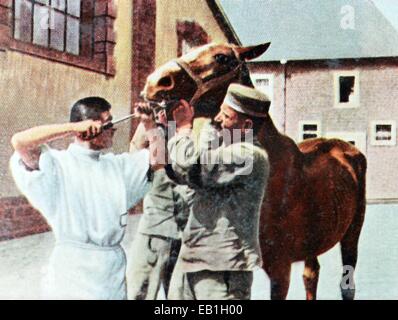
(158, 239)
(220, 245)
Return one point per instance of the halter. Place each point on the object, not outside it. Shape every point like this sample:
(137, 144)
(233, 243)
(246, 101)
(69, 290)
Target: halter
(204, 86)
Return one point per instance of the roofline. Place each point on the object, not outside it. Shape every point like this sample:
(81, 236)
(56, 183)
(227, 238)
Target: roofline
(321, 59)
(223, 22)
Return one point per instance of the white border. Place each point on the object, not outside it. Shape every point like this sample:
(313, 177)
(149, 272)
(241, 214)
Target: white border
(391, 142)
(270, 76)
(318, 132)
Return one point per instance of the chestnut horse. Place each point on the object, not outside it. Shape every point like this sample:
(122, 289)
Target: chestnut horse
(316, 190)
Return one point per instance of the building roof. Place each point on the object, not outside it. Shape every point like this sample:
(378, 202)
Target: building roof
(223, 21)
(313, 30)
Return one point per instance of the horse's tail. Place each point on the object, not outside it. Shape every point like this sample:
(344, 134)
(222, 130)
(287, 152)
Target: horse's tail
(359, 164)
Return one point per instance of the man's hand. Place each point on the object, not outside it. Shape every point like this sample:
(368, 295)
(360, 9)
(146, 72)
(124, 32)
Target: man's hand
(148, 135)
(145, 114)
(183, 115)
(87, 129)
(161, 118)
(147, 123)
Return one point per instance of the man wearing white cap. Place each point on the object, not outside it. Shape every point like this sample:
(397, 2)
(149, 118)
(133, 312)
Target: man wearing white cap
(220, 246)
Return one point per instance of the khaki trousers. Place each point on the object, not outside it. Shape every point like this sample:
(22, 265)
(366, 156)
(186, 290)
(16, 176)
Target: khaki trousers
(150, 264)
(211, 285)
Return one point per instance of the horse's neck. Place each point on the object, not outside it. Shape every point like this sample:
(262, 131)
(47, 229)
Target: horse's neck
(280, 148)
(209, 106)
(244, 77)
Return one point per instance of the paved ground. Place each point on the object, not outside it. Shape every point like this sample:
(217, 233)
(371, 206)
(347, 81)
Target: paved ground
(22, 260)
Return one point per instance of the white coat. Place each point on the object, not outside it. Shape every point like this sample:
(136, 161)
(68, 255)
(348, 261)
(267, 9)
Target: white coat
(85, 195)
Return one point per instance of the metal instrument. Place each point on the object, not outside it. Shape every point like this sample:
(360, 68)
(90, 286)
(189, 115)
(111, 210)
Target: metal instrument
(112, 123)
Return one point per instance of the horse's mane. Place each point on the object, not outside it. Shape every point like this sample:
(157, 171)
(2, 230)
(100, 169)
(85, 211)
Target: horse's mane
(245, 76)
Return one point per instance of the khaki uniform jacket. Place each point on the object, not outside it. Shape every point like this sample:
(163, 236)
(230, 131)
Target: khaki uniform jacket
(166, 207)
(229, 184)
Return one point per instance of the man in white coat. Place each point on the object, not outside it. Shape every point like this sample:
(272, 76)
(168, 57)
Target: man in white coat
(84, 195)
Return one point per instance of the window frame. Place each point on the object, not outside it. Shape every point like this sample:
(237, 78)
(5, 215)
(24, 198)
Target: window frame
(102, 40)
(336, 88)
(192, 33)
(373, 133)
(271, 77)
(301, 131)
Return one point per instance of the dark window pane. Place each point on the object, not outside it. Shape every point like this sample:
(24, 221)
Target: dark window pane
(309, 136)
(40, 25)
(346, 88)
(57, 31)
(383, 132)
(72, 35)
(383, 127)
(58, 4)
(74, 7)
(23, 20)
(310, 127)
(383, 137)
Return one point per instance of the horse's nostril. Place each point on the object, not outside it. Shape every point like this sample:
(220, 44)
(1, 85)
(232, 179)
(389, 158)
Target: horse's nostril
(165, 82)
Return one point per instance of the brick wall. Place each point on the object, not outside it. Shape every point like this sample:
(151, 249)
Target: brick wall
(143, 57)
(18, 219)
(5, 22)
(37, 91)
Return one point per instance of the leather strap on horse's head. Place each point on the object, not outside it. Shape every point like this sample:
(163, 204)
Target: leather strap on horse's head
(204, 86)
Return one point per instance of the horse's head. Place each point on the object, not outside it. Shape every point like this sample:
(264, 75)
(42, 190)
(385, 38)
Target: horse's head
(202, 76)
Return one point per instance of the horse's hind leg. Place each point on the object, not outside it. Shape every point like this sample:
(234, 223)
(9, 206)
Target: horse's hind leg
(349, 253)
(310, 277)
(349, 243)
(280, 281)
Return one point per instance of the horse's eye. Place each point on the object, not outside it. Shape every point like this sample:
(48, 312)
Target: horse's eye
(222, 58)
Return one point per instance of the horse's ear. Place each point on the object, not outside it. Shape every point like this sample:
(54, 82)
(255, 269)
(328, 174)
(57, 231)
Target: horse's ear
(249, 53)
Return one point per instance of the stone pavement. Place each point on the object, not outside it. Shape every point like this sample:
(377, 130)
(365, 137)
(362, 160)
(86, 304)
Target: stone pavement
(22, 260)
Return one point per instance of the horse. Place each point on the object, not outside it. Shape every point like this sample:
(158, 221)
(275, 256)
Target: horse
(316, 190)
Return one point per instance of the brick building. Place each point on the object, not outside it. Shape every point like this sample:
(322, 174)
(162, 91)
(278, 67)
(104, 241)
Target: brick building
(331, 71)
(54, 52)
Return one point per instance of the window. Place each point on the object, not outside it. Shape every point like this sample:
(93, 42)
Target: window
(346, 89)
(49, 23)
(74, 32)
(190, 34)
(383, 133)
(265, 83)
(185, 46)
(309, 130)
